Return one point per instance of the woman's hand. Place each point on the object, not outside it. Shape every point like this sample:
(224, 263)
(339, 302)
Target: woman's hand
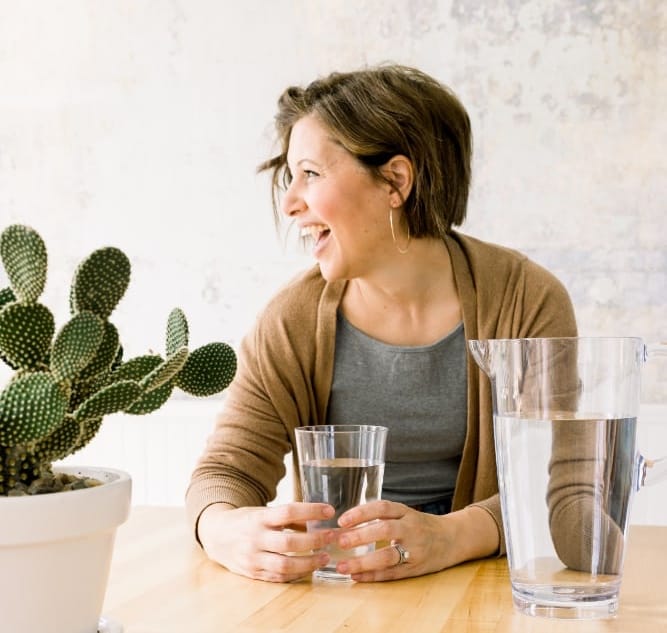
(266, 543)
(433, 542)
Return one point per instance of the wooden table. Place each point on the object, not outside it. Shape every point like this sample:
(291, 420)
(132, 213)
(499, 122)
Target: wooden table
(161, 583)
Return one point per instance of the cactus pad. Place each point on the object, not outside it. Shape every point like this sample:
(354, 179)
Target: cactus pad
(68, 437)
(100, 282)
(111, 399)
(6, 296)
(89, 428)
(208, 370)
(30, 408)
(105, 356)
(24, 258)
(57, 444)
(165, 371)
(177, 331)
(76, 345)
(26, 331)
(137, 369)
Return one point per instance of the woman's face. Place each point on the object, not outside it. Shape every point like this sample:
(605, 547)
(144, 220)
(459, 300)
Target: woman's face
(336, 203)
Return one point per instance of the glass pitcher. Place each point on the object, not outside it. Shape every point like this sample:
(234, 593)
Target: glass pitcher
(565, 413)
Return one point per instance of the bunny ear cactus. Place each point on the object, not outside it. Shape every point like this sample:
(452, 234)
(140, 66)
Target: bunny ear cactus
(65, 382)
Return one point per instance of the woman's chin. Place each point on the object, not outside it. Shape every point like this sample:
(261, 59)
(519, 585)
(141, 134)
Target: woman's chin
(330, 272)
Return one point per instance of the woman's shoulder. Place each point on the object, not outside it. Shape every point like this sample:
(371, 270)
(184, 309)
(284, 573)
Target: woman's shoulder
(513, 295)
(487, 260)
(481, 250)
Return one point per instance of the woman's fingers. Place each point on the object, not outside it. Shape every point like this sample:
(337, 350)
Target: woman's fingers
(382, 564)
(296, 514)
(290, 541)
(284, 567)
(381, 509)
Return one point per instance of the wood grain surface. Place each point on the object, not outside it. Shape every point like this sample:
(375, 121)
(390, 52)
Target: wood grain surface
(161, 582)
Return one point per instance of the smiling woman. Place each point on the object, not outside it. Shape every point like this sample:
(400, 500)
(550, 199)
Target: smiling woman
(374, 168)
(341, 204)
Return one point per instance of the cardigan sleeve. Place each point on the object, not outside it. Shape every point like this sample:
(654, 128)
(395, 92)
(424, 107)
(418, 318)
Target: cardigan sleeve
(272, 393)
(243, 460)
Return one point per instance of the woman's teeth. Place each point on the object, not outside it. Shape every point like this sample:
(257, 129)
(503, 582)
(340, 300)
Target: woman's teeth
(313, 231)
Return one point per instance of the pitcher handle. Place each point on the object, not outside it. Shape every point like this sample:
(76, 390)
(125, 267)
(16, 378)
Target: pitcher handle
(651, 471)
(656, 349)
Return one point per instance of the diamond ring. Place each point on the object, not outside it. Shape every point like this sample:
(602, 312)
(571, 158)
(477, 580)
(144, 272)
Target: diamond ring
(403, 554)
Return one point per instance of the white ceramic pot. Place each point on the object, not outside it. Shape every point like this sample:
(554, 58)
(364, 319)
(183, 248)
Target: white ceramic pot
(55, 553)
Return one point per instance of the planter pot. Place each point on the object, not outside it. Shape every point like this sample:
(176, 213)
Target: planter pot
(55, 554)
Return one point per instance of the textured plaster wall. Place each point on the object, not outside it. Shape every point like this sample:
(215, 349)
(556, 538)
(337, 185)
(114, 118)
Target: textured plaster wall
(139, 123)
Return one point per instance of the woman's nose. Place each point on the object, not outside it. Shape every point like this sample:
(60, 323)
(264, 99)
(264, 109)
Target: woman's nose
(292, 203)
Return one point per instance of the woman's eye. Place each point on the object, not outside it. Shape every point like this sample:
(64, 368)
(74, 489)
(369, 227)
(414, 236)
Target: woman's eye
(286, 179)
(309, 173)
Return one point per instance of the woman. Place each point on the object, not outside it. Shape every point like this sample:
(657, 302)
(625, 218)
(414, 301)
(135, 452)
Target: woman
(375, 171)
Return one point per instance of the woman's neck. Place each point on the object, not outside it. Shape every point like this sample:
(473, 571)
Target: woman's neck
(411, 301)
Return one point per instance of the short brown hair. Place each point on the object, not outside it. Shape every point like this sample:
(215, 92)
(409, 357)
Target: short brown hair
(379, 112)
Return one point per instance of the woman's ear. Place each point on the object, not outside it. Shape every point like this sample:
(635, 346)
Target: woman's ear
(398, 170)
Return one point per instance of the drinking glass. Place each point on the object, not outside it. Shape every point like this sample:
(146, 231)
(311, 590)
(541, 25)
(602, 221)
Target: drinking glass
(342, 465)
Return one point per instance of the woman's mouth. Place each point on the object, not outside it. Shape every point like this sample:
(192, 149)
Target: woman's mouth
(316, 232)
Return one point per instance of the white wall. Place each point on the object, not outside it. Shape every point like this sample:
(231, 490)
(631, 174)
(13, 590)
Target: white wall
(139, 123)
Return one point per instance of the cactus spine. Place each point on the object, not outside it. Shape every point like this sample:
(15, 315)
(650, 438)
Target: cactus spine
(66, 381)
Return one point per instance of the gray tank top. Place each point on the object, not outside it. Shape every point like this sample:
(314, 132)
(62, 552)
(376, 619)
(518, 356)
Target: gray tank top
(419, 393)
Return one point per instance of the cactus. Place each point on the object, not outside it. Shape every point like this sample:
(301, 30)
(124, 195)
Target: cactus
(66, 381)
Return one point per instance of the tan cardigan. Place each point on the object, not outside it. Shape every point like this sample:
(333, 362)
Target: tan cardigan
(286, 368)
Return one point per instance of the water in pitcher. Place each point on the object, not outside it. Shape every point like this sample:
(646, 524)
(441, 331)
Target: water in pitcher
(565, 492)
(342, 483)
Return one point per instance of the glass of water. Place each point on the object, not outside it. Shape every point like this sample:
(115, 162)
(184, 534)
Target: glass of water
(342, 465)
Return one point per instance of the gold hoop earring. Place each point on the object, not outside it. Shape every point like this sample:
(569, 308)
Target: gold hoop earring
(402, 251)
